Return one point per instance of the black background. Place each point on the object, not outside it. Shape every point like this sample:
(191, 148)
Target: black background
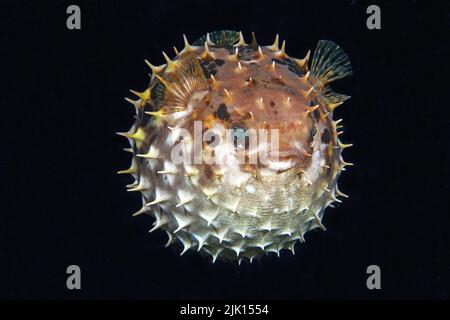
(63, 204)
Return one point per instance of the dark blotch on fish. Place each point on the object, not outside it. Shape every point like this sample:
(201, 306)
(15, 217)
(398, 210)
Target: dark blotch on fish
(316, 114)
(278, 61)
(296, 71)
(326, 137)
(222, 112)
(211, 66)
(312, 133)
(158, 93)
(219, 62)
(205, 71)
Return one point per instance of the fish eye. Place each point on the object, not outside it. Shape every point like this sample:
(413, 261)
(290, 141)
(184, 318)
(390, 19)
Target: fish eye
(239, 136)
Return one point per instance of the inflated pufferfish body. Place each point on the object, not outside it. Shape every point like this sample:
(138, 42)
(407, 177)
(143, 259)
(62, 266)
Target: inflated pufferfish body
(223, 90)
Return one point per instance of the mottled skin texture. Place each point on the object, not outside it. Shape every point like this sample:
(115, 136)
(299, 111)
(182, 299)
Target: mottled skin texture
(233, 210)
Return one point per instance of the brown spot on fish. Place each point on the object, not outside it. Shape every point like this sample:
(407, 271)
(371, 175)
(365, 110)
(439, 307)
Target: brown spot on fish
(222, 112)
(326, 137)
(316, 114)
(219, 62)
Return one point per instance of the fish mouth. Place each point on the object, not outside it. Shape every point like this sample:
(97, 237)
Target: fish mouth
(280, 165)
(287, 153)
(281, 160)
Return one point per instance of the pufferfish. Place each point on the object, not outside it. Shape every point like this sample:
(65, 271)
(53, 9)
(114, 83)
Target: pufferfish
(203, 104)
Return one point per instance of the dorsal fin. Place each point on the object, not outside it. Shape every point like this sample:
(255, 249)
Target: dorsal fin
(330, 63)
(181, 84)
(221, 38)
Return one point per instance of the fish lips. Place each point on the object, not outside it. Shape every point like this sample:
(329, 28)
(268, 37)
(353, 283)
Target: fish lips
(280, 160)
